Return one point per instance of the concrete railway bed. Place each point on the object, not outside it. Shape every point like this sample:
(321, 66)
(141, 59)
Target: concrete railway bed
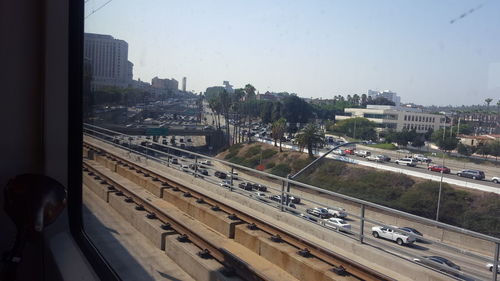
(209, 239)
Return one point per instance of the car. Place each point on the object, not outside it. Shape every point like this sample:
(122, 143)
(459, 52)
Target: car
(206, 162)
(339, 152)
(292, 199)
(447, 265)
(220, 175)
(489, 266)
(349, 151)
(203, 172)
(337, 212)
(276, 198)
(421, 158)
(410, 162)
(246, 186)
(233, 175)
(226, 183)
(413, 231)
(319, 212)
(384, 158)
(260, 187)
(308, 218)
(389, 234)
(185, 168)
(473, 174)
(259, 195)
(495, 179)
(336, 223)
(375, 158)
(175, 161)
(439, 168)
(362, 153)
(405, 151)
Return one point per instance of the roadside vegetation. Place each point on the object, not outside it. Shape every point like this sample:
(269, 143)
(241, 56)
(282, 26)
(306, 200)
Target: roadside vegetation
(476, 211)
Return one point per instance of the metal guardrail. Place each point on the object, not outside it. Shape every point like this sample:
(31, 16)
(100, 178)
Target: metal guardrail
(112, 135)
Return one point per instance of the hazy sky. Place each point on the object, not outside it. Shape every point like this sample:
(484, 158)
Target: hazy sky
(314, 48)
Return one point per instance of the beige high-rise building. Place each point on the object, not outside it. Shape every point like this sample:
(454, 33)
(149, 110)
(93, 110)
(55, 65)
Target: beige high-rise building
(109, 60)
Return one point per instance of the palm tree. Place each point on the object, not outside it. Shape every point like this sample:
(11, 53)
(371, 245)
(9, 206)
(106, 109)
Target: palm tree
(278, 130)
(488, 101)
(310, 136)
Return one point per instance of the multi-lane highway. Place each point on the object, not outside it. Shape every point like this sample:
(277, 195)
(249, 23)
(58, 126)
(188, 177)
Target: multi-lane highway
(472, 266)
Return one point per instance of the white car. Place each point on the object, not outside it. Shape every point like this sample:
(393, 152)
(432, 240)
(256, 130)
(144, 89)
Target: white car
(339, 152)
(362, 153)
(407, 161)
(495, 179)
(233, 175)
(336, 223)
(389, 234)
(421, 158)
(337, 213)
(206, 162)
(375, 158)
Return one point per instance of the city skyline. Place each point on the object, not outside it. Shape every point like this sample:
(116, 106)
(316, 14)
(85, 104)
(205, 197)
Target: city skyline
(295, 47)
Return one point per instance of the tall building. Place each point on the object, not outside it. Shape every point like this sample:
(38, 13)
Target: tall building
(392, 96)
(165, 86)
(109, 60)
(397, 118)
(184, 84)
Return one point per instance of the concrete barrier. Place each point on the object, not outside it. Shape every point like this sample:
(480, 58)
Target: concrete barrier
(101, 190)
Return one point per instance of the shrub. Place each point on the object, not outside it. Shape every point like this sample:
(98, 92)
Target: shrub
(268, 153)
(298, 164)
(281, 170)
(388, 146)
(270, 165)
(252, 151)
(231, 154)
(235, 147)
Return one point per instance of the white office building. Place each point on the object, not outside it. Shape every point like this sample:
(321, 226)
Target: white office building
(397, 118)
(109, 60)
(392, 96)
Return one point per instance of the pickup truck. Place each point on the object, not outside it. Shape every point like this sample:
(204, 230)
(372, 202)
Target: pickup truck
(389, 234)
(337, 213)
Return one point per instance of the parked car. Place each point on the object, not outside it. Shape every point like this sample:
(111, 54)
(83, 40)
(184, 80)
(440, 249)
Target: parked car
(319, 212)
(389, 234)
(407, 161)
(439, 168)
(431, 261)
(220, 175)
(421, 158)
(473, 174)
(495, 179)
(362, 153)
(336, 223)
(337, 212)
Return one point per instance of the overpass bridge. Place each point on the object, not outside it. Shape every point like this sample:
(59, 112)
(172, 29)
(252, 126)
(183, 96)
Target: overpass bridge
(386, 260)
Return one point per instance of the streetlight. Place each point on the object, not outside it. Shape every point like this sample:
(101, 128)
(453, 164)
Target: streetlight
(441, 181)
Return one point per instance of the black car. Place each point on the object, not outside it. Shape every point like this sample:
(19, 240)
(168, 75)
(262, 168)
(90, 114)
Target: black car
(260, 187)
(220, 175)
(245, 186)
(473, 174)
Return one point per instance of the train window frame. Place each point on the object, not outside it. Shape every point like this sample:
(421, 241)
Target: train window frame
(99, 264)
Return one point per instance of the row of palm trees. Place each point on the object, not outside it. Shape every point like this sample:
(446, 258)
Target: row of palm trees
(310, 136)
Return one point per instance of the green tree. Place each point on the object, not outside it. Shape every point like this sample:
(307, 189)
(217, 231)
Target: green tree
(249, 91)
(278, 130)
(418, 142)
(444, 141)
(358, 127)
(309, 137)
(465, 150)
(494, 149)
(296, 110)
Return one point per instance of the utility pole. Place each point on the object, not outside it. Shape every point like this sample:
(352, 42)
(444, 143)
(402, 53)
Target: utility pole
(440, 182)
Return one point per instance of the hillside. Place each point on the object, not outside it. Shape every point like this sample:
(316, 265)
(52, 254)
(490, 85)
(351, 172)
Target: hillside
(478, 211)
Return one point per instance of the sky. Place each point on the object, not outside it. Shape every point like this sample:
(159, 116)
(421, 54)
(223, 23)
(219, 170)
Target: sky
(314, 48)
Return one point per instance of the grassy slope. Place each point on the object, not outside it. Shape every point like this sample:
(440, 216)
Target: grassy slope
(474, 210)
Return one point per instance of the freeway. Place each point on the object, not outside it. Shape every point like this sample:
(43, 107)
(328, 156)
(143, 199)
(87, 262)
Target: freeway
(471, 265)
(419, 171)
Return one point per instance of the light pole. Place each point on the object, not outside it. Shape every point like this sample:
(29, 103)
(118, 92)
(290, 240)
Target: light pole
(441, 181)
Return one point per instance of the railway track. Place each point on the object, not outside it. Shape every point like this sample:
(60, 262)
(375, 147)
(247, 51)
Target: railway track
(340, 267)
